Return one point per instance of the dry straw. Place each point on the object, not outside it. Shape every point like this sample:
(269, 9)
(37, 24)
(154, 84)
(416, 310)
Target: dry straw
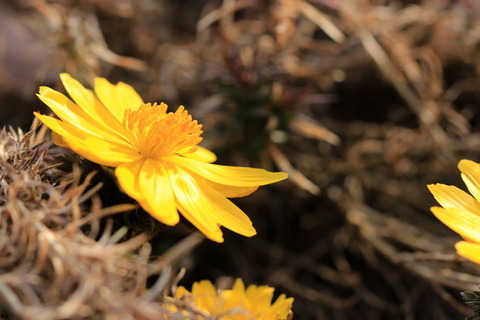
(60, 257)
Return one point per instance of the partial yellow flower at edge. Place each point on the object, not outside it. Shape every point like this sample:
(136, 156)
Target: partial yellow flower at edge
(238, 303)
(156, 155)
(460, 211)
(469, 250)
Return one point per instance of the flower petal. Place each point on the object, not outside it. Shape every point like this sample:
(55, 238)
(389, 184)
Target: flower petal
(234, 299)
(469, 250)
(201, 154)
(453, 197)
(68, 111)
(261, 295)
(205, 208)
(471, 176)
(100, 151)
(181, 292)
(461, 221)
(189, 202)
(92, 148)
(155, 186)
(280, 308)
(230, 191)
(231, 176)
(227, 191)
(127, 176)
(237, 303)
(87, 100)
(205, 296)
(117, 98)
(239, 287)
(228, 214)
(58, 140)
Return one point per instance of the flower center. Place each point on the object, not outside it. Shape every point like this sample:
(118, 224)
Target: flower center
(158, 134)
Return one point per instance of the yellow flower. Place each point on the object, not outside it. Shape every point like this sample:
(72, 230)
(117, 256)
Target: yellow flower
(157, 160)
(461, 211)
(238, 303)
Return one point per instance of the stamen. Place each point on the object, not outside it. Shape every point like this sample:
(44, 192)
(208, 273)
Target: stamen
(158, 134)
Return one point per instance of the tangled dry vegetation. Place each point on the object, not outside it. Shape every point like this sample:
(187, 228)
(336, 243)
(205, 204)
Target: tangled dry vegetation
(58, 261)
(363, 103)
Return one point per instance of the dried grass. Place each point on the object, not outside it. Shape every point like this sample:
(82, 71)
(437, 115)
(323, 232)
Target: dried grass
(57, 260)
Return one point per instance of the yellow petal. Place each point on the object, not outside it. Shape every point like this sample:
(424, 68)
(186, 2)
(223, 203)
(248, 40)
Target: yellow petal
(60, 127)
(261, 296)
(180, 292)
(228, 214)
(201, 154)
(58, 140)
(70, 112)
(127, 176)
(196, 215)
(189, 204)
(239, 287)
(231, 176)
(453, 197)
(222, 210)
(471, 176)
(280, 308)
(227, 191)
(230, 191)
(206, 209)
(100, 151)
(205, 296)
(154, 183)
(87, 100)
(152, 191)
(461, 221)
(234, 299)
(94, 149)
(469, 250)
(117, 98)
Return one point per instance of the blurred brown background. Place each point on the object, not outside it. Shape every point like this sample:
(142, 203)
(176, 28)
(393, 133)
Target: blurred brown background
(362, 102)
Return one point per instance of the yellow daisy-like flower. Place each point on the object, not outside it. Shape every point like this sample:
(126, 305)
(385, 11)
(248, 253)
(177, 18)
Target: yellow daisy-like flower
(157, 160)
(461, 211)
(238, 303)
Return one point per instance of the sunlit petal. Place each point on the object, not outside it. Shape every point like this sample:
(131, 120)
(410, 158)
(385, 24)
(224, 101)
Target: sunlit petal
(262, 295)
(453, 197)
(117, 98)
(206, 204)
(228, 214)
(69, 112)
(201, 154)
(471, 176)
(206, 209)
(231, 191)
(227, 191)
(58, 140)
(181, 292)
(154, 183)
(282, 305)
(87, 100)
(127, 176)
(461, 221)
(238, 303)
(205, 295)
(97, 150)
(101, 151)
(189, 202)
(469, 250)
(232, 176)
